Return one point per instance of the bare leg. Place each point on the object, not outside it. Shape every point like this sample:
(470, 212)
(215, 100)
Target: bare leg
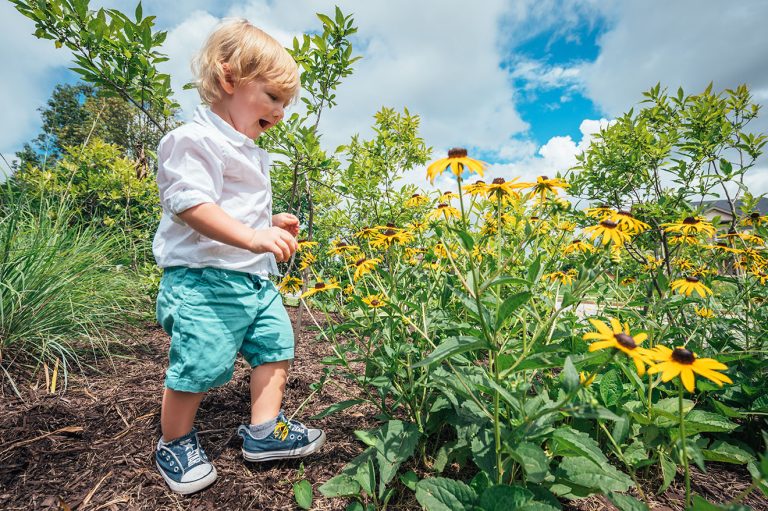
(178, 413)
(267, 388)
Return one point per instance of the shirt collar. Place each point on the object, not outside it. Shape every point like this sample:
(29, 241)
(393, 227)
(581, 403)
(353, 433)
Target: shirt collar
(205, 116)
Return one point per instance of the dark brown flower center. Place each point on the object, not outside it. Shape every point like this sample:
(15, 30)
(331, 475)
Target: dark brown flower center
(544, 178)
(683, 356)
(626, 213)
(391, 225)
(498, 181)
(609, 224)
(304, 240)
(755, 215)
(415, 195)
(689, 220)
(442, 205)
(389, 232)
(692, 280)
(360, 261)
(457, 152)
(534, 218)
(625, 340)
(341, 244)
(375, 302)
(320, 285)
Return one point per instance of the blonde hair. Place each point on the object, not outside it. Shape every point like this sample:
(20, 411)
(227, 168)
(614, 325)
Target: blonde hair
(250, 53)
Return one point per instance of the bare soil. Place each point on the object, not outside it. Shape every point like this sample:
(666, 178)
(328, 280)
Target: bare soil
(90, 447)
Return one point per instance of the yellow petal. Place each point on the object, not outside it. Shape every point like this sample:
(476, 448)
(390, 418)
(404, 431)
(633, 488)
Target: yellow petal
(639, 365)
(616, 326)
(671, 370)
(686, 375)
(601, 327)
(710, 363)
(601, 345)
(640, 338)
(712, 375)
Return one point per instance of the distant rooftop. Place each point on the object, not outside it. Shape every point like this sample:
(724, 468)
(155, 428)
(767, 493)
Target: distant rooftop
(722, 205)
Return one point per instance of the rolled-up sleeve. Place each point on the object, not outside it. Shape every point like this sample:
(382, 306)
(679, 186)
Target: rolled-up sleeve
(189, 172)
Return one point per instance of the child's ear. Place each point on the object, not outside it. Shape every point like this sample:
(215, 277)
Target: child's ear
(226, 81)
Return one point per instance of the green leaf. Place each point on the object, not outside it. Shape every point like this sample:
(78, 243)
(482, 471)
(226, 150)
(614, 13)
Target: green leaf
(409, 480)
(534, 270)
(611, 387)
(569, 442)
(452, 346)
(699, 503)
(138, 12)
(503, 498)
(626, 502)
(442, 494)
(699, 421)
(722, 451)
(395, 443)
(302, 492)
(367, 437)
(533, 460)
(569, 376)
(668, 472)
(510, 305)
(337, 407)
(584, 472)
(342, 485)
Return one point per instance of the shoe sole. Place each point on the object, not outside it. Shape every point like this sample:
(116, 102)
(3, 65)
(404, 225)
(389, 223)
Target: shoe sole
(291, 453)
(190, 487)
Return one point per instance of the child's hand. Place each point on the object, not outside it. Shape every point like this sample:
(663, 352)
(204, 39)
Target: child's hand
(276, 241)
(287, 222)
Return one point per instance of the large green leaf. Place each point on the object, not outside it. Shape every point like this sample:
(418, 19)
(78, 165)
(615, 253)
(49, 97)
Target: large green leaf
(302, 491)
(503, 498)
(626, 502)
(337, 407)
(453, 346)
(569, 442)
(699, 421)
(510, 305)
(603, 477)
(395, 443)
(442, 494)
(725, 452)
(533, 460)
(611, 387)
(342, 485)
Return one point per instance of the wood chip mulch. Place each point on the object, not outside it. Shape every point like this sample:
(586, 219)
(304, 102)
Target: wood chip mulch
(91, 446)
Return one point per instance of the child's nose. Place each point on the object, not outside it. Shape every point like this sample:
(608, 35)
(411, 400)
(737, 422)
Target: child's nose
(279, 112)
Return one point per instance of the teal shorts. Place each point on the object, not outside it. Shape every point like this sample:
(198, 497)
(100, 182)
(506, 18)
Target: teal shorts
(212, 315)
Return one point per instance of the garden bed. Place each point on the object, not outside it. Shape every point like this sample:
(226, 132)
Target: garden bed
(91, 446)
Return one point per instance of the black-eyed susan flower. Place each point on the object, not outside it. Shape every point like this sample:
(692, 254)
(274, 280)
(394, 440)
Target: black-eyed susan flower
(761, 275)
(652, 263)
(684, 363)
(678, 238)
(417, 200)
(690, 285)
(458, 162)
(476, 188)
(563, 277)
(306, 245)
(365, 265)
(416, 226)
(367, 232)
(375, 301)
(628, 223)
(545, 186)
(448, 196)
(578, 246)
(628, 281)
(499, 188)
(342, 247)
(321, 287)
(724, 247)
(586, 382)
(608, 232)
(683, 264)
(619, 337)
(690, 225)
(755, 219)
(391, 236)
(704, 312)
(744, 236)
(601, 212)
(445, 211)
(290, 284)
(441, 252)
(307, 260)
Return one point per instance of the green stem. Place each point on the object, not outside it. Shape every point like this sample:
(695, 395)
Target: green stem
(684, 449)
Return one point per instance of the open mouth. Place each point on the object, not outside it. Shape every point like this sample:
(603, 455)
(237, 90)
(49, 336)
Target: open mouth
(264, 123)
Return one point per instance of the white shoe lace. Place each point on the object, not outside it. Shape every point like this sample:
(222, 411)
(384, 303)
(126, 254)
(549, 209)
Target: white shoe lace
(193, 455)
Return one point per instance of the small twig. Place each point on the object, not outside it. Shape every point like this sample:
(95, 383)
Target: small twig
(91, 493)
(66, 429)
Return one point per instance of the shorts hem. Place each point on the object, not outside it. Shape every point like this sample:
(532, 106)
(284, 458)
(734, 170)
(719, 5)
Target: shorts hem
(185, 385)
(274, 356)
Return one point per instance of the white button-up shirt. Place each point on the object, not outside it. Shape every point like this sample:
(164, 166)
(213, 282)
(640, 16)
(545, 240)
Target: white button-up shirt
(207, 160)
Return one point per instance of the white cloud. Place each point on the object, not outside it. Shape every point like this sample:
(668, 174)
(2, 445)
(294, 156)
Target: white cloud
(28, 65)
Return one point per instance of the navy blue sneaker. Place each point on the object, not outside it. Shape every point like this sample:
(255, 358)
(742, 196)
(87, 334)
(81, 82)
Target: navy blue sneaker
(184, 465)
(290, 439)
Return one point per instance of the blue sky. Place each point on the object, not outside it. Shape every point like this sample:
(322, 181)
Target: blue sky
(524, 84)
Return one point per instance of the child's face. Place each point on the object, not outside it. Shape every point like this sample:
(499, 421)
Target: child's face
(252, 107)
